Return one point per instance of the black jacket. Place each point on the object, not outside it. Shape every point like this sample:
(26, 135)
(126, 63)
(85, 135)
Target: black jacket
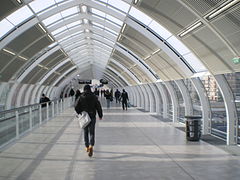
(88, 102)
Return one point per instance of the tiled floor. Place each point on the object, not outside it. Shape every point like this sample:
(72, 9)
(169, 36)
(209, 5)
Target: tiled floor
(129, 145)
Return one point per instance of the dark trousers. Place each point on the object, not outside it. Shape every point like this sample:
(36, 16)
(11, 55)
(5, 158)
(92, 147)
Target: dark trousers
(124, 105)
(89, 133)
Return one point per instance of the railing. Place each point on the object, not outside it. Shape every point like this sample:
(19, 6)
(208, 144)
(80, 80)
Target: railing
(16, 122)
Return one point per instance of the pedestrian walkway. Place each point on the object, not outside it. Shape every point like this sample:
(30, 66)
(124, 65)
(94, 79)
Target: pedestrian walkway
(130, 145)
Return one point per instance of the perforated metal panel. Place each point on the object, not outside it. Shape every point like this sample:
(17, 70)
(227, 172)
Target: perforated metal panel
(125, 61)
(5, 58)
(36, 47)
(9, 6)
(51, 79)
(204, 6)
(68, 74)
(25, 39)
(114, 66)
(65, 67)
(170, 14)
(129, 79)
(36, 78)
(11, 69)
(31, 74)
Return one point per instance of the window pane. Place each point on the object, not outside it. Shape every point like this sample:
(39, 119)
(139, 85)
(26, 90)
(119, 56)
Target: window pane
(74, 24)
(119, 4)
(178, 45)
(69, 11)
(113, 19)
(194, 62)
(97, 12)
(52, 19)
(140, 16)
(39, 5)
(164, 33)
(59, 30)
(20, 15)
(5, 27)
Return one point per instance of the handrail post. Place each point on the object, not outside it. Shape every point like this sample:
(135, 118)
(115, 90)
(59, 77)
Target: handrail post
(47, 111)
(53, 113)
(17, 124)
(30, 118)
(40, 114)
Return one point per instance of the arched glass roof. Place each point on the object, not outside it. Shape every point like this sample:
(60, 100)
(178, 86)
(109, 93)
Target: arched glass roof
(93, 32)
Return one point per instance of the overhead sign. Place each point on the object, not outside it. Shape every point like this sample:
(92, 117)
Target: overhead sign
(85, 81)
(103, 81)
(236, 60)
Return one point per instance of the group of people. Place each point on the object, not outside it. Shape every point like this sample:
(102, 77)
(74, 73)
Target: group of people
(88, 101)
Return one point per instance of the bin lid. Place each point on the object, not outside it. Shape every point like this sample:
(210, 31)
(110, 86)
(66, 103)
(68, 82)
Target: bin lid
(193, 117)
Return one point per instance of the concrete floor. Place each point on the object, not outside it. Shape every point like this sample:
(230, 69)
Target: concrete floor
(129, 145)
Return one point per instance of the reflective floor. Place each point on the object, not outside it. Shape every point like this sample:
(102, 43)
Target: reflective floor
(129, 145)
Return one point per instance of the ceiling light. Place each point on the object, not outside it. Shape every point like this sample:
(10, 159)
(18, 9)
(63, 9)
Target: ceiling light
(42, 28)
(119, 37)
(23, 58)
(85, 21)
(87, 30)
(222, 8)
(10, 52)
(19, 1)
(135, 1)
(84, 9)
(123, 28)
(190, 28)
(50, 37)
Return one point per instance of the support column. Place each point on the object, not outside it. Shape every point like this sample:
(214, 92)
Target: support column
(231, 111)
(174, 101)
(205, 105)
(164, 99)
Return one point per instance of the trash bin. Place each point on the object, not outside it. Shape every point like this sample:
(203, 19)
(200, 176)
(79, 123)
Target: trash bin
(193, 128)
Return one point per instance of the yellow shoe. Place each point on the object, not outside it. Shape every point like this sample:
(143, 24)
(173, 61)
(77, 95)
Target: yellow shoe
(87, 149)
(90, 152)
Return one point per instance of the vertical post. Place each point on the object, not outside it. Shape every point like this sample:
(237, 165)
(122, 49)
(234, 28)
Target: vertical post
(57, 107)
(17, 124)
(40, 114)
(30, 118)
(53, 113)
(47, 111)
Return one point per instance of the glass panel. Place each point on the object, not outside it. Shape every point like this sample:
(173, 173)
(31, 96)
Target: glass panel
(119, 4)
(5, 27)
(194, 62)
(115, 20)
(20, 15)
(24, 123)
(234, 82)
(164, 33)
(39, 5)
(52, 19)
(61, 29)
(8, 127)
(178, 45)
(73, 24)
(218, 121)
(140, 16)
(181, 117)
(70, 11)
(99, 13)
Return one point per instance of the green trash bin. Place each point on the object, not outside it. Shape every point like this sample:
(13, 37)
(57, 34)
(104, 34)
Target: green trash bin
(193, 128)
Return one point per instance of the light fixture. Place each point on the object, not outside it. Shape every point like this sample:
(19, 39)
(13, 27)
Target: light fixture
(220, 9)
(87, 30)
(42, 28)
(123, 28)
(119, 37)
(85, 21)
(51, 38)
(23, 58)
(135, 1)
(84, 9)
(10, 52)
(19, 1)
(190, 28)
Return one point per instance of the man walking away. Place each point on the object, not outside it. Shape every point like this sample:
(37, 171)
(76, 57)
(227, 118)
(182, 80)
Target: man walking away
(89, 102)
(117, 95)
(124, 98)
